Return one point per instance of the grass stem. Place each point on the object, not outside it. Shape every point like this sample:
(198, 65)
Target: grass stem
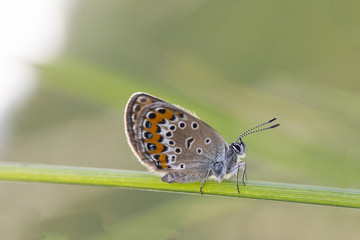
(147, 181)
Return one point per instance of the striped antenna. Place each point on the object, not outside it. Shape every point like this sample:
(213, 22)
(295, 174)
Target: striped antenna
(247, 132)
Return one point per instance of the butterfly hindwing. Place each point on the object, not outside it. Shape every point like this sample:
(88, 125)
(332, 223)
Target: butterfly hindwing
(136, 103)
(169, 139)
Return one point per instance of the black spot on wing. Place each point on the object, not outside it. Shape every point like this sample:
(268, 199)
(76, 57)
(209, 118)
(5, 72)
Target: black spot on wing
(189, 141)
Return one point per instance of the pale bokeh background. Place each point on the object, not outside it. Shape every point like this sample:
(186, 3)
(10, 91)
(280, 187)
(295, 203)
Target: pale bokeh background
(68, 68)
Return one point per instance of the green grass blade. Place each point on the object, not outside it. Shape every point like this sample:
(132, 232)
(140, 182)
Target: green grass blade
(147, 181)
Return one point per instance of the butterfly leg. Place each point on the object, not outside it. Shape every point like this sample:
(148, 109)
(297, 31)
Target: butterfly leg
(241, 165)
(204, 181)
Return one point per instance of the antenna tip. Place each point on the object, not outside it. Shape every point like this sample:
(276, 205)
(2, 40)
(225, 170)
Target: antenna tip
(273, 119)
(274, 126)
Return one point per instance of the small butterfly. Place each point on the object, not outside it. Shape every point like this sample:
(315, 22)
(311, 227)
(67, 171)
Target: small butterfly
(177, 145)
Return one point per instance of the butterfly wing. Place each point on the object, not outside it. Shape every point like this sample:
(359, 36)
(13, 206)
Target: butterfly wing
(169, 140)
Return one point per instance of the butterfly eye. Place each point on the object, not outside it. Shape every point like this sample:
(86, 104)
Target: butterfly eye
(236, 147)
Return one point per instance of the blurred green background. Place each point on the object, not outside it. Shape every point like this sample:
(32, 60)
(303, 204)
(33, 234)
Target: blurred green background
(234, 63)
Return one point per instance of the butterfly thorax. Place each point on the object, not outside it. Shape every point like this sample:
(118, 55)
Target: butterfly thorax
(223, 168)
(232, 158)
(218, 169)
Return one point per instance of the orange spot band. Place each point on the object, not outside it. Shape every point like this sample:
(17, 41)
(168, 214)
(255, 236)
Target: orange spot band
(162, 159)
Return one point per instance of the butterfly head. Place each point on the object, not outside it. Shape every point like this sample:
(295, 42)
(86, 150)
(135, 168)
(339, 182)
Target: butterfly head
(239, 147)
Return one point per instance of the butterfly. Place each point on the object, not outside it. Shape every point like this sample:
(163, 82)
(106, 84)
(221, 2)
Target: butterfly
(177, 145)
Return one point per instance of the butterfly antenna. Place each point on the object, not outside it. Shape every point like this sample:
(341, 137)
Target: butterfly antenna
(247, 132)
(262, 129)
